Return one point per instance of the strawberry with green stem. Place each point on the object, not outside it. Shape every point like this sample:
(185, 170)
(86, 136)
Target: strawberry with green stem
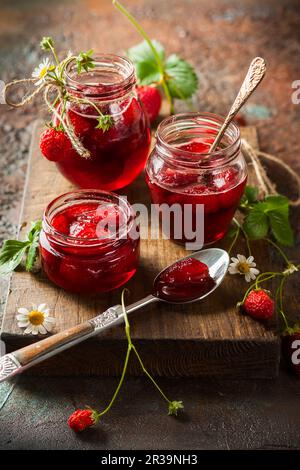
(82, 419)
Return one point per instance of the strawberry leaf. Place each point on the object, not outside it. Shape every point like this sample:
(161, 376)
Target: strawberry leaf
(256, 224)
(181, 77)
(280, 227)
(146, 66)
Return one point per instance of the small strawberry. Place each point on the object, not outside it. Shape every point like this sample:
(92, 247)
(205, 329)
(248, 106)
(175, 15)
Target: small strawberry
(259, 305)
(53, 144)
(291, 348)
(83, 419)
(151, 99)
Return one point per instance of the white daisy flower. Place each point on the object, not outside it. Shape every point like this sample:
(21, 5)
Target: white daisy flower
(244, 266)
(41, 71)
(35, 321)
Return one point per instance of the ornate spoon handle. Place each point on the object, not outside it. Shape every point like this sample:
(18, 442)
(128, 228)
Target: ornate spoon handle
(20, 360)
(253, 78)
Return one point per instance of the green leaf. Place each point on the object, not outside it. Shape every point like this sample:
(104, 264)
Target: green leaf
(256, 224)
(146, 66)
(36, 227)
(11, 255)
(143, 53)
(276, 202)
(32, 255)
(280, 227)
(181, 77)
(251, 193)
(85, 61)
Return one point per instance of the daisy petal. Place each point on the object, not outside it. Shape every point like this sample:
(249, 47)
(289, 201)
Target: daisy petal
(23, 324)
(28, 330)
(232, 270)
(23, 311)
(22, 317)
(235, 260)
(42, 330)
(248, 277)
(250, 259)
(255, 271)
(50, 320)
(242, 258)
(42, 307)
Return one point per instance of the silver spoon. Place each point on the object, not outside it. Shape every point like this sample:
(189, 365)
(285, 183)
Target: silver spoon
(255, 74)
(14, 363)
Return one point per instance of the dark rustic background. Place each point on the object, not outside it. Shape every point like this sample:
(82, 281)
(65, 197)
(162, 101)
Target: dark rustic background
(219, 37)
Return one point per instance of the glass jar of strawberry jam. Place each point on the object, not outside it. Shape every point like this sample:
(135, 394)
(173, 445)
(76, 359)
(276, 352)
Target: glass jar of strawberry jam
(118, 154)
(90, 241)
(180, 170)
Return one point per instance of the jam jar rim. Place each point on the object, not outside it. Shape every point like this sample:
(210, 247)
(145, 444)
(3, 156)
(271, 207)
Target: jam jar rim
(173, 153)
(70, 239)
(112, 90)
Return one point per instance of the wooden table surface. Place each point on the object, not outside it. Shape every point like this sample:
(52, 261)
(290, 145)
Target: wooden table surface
(219, 37)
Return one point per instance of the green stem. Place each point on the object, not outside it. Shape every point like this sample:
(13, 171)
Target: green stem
(279, 250)
(149, 375)
(279, 301)
(234, 240)
(159, 62)
(131, 345)
(120, 382)
(260, 278)
(54, 54)
(244, 234)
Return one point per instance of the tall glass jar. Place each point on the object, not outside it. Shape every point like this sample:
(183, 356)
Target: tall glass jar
(180, 170)
(119, 154)
(89, 242)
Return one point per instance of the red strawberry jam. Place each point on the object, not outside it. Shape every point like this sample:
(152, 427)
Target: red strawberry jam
(181, 171)
(184, 281)
(89, 242)
(118, 154)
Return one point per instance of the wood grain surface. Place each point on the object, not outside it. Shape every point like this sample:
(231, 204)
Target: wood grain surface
(206, 338)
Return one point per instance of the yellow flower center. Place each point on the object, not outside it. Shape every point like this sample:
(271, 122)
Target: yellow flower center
(243, 268)
(43, 72)
(36, 318)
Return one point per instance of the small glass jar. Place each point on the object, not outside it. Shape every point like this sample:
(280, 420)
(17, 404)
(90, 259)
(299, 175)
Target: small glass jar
(180, 170)
(89, 242)
(119, 154)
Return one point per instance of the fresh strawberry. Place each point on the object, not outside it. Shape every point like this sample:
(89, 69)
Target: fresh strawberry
(83, 419)
(291, 348)
(259, 305)
(53, 144)
(151, 99)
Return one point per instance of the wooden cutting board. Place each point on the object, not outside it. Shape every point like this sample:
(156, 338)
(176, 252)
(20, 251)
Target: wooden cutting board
(208, 338)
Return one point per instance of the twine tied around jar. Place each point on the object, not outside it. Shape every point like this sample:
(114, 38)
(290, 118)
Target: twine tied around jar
(48, 86)
(266, 186)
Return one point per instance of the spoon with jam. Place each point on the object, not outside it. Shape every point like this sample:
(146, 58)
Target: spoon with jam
(189, 279)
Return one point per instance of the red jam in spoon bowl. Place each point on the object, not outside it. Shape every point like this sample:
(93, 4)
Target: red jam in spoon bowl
(184, 281)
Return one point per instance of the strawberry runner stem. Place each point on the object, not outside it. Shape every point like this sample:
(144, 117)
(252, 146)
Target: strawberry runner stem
(159, 62)
(131, 347)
